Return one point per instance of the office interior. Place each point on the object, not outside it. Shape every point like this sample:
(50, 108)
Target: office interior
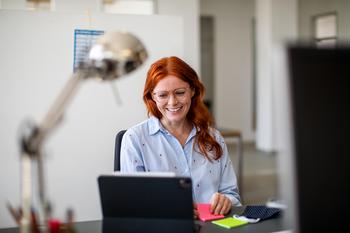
(235, 45)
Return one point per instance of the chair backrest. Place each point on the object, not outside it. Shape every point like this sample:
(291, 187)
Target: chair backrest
(118, 143)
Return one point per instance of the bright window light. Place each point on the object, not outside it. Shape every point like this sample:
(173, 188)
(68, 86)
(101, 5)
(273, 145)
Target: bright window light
(142, 7)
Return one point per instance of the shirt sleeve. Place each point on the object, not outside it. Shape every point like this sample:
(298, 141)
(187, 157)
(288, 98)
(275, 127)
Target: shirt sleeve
(130, 153)
(228, 182)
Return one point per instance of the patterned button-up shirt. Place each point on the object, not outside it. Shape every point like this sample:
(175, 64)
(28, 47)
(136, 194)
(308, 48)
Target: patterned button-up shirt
(149, 147)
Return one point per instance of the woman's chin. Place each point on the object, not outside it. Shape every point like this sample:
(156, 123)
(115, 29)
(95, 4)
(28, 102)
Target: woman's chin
(175, 117)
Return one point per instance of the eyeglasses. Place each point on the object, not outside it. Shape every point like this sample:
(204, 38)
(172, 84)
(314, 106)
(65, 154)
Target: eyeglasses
(163, 96)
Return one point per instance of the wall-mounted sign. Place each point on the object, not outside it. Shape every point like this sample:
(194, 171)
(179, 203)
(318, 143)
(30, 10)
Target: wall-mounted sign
(83, 40)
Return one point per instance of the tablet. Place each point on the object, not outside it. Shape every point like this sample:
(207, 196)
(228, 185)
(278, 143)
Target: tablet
(146, 202)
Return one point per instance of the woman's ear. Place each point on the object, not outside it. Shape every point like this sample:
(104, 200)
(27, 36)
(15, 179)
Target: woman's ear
(193, 91)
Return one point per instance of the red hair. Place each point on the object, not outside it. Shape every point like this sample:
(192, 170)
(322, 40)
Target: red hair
(198, 113)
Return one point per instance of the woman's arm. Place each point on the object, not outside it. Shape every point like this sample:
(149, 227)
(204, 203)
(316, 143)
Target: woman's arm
(227, 195)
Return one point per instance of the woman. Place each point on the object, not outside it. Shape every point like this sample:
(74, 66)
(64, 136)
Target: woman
(178, 136)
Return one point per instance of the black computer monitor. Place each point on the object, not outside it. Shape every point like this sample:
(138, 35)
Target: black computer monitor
(319, 88)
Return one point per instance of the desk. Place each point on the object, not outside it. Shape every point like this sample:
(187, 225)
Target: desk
(270, 225)
(207, 227)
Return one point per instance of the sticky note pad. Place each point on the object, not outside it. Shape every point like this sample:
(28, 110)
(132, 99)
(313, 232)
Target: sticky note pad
(229, 222)
(204, 212)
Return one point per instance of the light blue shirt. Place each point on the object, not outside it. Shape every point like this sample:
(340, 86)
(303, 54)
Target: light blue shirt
(149, 147)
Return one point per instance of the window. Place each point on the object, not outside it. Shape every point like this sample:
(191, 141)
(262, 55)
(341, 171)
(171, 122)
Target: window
(141, 7)
(325, 29)
(38, 4)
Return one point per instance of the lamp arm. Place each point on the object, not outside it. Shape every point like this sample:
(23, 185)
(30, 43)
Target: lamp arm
(33, 141)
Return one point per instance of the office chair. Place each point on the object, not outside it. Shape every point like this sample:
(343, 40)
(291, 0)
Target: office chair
(118, 143)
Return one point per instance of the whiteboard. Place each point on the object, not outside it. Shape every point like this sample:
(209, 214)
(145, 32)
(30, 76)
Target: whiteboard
(36, 59)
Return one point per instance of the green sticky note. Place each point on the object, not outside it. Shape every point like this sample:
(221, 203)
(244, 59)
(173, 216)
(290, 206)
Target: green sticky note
(229, 222)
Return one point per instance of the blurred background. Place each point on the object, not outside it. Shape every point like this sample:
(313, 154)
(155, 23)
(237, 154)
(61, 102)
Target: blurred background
(235, 45)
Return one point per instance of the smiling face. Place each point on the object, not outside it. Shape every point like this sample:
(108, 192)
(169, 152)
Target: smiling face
(173, 99)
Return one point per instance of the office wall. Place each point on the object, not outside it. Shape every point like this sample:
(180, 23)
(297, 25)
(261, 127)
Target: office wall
(13, 4)
(36, 59)
(77, 5)
(276, 24)
(310, 8)
(233, 62)
(189, 11)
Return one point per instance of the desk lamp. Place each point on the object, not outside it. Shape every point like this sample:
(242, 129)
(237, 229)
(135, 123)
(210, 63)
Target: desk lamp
(114, 55)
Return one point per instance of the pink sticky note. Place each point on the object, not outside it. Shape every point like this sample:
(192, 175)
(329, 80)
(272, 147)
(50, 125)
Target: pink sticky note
(204, 213)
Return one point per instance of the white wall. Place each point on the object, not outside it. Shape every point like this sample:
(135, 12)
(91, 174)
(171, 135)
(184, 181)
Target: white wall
(189, 11)
(233, 62)
(13, 4)
(77, 5)
(343, 8)
(36, 54)
(264, 134)
(276, 24)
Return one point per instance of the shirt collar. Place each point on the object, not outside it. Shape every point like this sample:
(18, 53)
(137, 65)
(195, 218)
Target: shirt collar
(154, 126)
(192, 133)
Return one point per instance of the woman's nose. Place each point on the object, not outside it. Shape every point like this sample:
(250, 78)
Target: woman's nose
(172, 99)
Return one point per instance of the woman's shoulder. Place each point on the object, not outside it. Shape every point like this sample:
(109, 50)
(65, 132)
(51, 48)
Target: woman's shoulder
(143, 127)
(137, 127)
(215, 132)
(217, 135)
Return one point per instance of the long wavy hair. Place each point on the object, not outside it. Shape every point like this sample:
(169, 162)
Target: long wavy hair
(198, 113)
